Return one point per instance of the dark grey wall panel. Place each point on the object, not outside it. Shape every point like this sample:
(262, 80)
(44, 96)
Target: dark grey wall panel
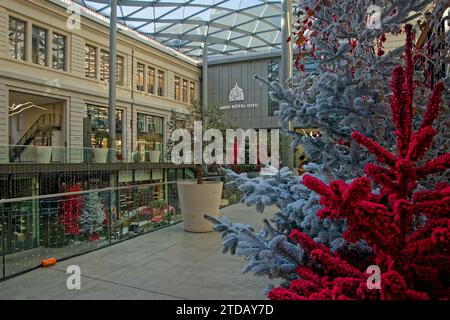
(223, 77)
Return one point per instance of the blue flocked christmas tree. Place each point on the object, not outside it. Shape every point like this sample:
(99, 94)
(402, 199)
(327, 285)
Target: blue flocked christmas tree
(346, 91)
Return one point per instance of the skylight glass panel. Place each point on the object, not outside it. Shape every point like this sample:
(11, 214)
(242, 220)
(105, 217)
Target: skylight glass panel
(146, 13)
(185, 24)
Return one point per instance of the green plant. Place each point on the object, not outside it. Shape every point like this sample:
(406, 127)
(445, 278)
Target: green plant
(157, 204)
(211, 118)
(98, 136)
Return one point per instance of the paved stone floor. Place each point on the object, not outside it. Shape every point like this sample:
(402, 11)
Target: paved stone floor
(166, 264)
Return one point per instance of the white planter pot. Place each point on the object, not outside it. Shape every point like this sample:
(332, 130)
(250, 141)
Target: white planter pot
(196, 200)
(100, 155)
(58, 154)
(43, 154)
(155, 156)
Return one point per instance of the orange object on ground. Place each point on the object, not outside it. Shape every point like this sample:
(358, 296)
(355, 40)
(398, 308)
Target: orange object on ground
(48, 262)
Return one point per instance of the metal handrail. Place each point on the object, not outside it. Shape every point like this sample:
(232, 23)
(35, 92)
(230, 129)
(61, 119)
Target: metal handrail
(74, 193)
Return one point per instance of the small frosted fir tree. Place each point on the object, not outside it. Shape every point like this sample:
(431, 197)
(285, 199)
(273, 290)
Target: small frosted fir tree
(92, 217)
(408, 230)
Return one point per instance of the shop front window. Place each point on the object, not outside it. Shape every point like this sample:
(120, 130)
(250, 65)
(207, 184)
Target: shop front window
(99, 117)
(150, 137)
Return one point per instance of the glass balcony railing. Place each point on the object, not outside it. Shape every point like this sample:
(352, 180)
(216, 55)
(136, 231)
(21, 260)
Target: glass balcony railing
(58, 154)
(67, 224)
(82, 219)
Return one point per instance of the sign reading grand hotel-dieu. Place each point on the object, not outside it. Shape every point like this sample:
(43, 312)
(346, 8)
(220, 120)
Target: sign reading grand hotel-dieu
(237, 98)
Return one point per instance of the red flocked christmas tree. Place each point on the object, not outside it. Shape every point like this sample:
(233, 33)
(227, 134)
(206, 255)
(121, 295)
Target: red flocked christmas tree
(408, 230)
(71, 208)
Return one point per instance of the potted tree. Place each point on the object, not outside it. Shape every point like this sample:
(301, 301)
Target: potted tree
(44, 151)
(100, 153)
(200, 197)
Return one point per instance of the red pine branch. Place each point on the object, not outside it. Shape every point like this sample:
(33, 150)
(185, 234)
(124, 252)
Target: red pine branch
(383, 156)
(413, 255)
(432, 109)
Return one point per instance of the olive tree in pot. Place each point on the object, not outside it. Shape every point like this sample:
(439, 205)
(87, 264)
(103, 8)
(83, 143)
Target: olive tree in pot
(44, 150)
(200, 197)
(100, 153)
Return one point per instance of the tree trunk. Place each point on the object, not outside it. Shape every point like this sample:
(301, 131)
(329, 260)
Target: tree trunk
(199, 171)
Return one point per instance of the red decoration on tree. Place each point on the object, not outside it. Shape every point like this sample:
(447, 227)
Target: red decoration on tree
(408, 230)
(71, 208)
(381, 40)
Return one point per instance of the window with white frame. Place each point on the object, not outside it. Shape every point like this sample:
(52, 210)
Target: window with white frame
(161, 83)
(185, 90)
(90, 62)
(140, 77)
(177, 95)
(151, 80)
(17, 36)
(39, 46)
(59, 51)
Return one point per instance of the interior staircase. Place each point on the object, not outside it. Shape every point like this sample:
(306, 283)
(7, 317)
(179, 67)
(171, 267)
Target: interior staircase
(45, 122)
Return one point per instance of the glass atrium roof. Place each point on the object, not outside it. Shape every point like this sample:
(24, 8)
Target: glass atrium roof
(228, 26)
